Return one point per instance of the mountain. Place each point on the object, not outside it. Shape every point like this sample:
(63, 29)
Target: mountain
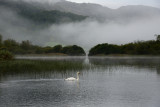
(106, 14)
(95, 11)
(132, 12)
(62, 11)
(100, 12)
(87, 9)
(44, 22)
(40, 15)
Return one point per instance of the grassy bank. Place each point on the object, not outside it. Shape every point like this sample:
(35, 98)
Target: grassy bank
(40, 65)
(47, 54)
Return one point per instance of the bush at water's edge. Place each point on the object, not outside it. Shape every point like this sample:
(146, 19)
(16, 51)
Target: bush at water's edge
(5, 55)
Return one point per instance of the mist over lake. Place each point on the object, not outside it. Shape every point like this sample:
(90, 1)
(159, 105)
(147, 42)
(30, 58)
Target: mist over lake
(82, 24)
(79, 53)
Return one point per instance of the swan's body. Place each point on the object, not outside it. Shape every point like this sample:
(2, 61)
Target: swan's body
(72, 78)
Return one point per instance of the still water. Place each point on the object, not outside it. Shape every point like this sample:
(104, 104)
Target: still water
(109, 82)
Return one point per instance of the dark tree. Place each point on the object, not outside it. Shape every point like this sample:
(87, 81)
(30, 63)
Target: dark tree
(73, 50)
(158, 37)
(26, 45)
(57, 49)
(11, 45)
(0, 39)
(105, 49)
(48, 49)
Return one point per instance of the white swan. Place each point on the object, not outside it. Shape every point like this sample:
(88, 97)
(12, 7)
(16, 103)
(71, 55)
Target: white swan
(72, 78)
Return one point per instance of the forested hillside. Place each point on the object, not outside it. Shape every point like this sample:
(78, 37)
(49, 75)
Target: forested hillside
(151, 47)
(39, 15)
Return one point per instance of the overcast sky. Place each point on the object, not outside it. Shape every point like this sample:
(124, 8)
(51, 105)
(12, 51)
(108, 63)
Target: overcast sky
(118, 3)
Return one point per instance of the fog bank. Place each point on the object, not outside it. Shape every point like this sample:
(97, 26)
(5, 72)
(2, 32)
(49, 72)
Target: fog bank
(87, 33)
(90, 33)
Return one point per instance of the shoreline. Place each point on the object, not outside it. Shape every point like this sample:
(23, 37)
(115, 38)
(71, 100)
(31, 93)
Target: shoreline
(49, 54)
(59, 56)
(98, 55)
(123, 55)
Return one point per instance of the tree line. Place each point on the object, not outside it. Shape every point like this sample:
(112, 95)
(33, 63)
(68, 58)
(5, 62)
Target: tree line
(151, 47)
(26, 47)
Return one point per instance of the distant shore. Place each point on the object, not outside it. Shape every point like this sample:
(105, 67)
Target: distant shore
(97, 55)
(122, 55)
(47, 54)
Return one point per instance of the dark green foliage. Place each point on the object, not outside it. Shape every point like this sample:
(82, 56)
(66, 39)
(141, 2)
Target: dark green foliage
(56, 49)
(69, 50)
(138, 48)
(158, 38)
(73, 50)
(39, 15)
(11, 45)
(5, 55)
(49, 17)
(105, 49)
(48, 49)
(25, 47)
(38, 50)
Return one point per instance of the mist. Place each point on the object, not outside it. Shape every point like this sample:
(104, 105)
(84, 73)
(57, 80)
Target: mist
(90, 33)
(41, 1)
(13, 26)
(87, 33)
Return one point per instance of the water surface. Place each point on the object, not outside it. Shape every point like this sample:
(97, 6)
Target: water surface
(109, 82)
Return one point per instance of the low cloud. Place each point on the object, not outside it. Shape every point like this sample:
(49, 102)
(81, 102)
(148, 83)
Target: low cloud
(12, 26)
(90, 33)
(87, 33)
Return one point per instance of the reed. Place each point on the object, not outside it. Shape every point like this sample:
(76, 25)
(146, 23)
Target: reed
(40, 65)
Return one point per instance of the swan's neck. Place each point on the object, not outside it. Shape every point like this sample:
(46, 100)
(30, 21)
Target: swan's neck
(77, 76)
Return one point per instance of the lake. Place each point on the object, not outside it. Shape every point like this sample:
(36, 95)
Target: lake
(106, 82)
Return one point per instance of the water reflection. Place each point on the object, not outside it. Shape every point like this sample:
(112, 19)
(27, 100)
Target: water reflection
(140, 62)
(109, 81)
(92, 63)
